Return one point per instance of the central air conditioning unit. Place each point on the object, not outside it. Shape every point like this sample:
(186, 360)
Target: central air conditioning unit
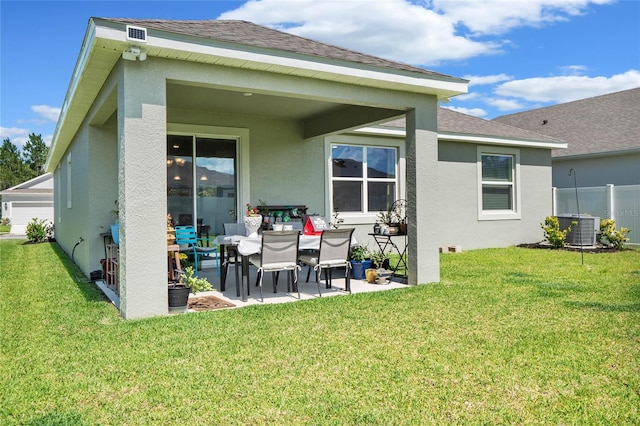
(583, 229)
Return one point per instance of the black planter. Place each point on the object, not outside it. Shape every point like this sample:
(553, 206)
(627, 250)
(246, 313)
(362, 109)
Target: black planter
(178, 297)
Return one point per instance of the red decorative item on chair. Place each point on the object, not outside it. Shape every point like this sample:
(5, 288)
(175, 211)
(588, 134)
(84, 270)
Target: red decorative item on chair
(315, 225)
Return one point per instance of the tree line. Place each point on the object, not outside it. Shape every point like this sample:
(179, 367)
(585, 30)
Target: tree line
(16, 166)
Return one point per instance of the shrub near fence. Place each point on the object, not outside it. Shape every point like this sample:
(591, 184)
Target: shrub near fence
(620, 203)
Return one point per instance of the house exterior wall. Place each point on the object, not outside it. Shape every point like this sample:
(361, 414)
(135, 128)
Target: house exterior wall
(71, 195)
(597, 170)
(457, 217)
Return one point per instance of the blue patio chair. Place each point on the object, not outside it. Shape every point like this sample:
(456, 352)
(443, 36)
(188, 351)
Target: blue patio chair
(187, 239)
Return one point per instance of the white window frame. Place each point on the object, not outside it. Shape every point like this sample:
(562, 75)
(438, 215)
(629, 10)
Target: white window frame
(514, 212)
(365, 217)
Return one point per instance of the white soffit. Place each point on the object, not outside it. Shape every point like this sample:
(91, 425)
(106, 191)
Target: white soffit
(265, 61)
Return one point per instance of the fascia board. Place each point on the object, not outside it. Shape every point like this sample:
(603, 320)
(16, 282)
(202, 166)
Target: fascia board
(485, 140)
(489, 140)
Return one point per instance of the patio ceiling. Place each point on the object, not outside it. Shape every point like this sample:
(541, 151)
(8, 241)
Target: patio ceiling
(190, 97)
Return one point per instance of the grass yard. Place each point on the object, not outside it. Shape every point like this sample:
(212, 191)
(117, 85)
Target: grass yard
(509, 336)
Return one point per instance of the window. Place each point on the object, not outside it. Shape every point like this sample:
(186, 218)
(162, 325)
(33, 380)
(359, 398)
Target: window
(69, 183)
(498, 171)
(363, 178)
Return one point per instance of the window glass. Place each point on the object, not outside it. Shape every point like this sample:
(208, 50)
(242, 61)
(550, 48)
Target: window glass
(364, 178)
(381, 162)
(497, 168)
(496, 197)
(347, 196)
(497, 182)
(347, 161)
(381, 195)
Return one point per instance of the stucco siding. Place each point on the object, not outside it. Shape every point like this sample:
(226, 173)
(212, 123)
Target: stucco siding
(458, 218)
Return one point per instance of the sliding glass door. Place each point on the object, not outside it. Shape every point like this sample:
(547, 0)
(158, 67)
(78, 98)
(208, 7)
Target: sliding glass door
(202, 182)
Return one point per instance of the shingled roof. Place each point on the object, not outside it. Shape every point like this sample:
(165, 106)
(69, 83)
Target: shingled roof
(453, 122)
(602, 124)
(250, 34)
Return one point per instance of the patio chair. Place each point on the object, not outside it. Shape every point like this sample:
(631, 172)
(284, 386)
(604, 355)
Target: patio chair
(231, 255)
(279, 253)
(189, 242)
(335, 245)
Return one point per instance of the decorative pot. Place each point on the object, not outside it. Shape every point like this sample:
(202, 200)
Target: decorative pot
(178, 297)
(371, 275)
(171, 236)
(252, 224)
(383, 277)
(358, 268)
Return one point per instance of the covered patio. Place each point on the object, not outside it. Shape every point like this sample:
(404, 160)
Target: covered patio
(259, 112)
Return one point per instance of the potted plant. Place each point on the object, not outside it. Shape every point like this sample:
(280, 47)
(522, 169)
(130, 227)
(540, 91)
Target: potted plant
(252, 221)
(360, 261)
(187, 283)
(379, 273)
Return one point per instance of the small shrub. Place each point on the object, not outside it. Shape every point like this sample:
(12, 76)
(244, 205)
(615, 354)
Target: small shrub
(38, 230)
(359, 253)
(196, 284)
(612, 237)
(5, 221)
(552, 232)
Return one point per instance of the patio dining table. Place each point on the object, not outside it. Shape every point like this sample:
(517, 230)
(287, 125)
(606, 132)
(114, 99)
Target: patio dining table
(245, 247)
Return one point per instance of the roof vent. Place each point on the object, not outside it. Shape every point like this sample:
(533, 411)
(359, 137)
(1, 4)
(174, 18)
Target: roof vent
(136, 33)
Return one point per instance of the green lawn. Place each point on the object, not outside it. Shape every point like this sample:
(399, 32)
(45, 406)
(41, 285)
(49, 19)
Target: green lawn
(510, 336)
(5, 229)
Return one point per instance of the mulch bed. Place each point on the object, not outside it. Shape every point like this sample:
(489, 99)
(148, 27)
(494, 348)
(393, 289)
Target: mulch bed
(599, 248)
(208, 303)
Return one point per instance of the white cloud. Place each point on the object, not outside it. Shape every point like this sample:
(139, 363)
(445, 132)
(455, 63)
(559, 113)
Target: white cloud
(476, 112)
(476, 80)
(393, 29)
(419, 32)
(18, 135)
(504, 104)
(483, 17)
(47, 112)
(573, 69)
(468, 96)
(567, 88)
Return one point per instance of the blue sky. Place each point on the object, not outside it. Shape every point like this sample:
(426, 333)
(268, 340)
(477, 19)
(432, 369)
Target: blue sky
(518, 54)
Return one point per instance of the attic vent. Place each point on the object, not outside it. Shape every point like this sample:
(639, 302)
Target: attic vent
(136, 33)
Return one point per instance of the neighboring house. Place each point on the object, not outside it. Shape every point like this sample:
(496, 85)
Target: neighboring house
(603, 134)
(28, 200)
(256, 114)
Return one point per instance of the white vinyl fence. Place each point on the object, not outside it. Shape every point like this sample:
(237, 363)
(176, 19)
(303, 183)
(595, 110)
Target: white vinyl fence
(620, 203)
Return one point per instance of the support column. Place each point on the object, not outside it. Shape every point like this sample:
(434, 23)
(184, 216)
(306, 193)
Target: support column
(142, 190)
(610, 201)
(422, 194)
